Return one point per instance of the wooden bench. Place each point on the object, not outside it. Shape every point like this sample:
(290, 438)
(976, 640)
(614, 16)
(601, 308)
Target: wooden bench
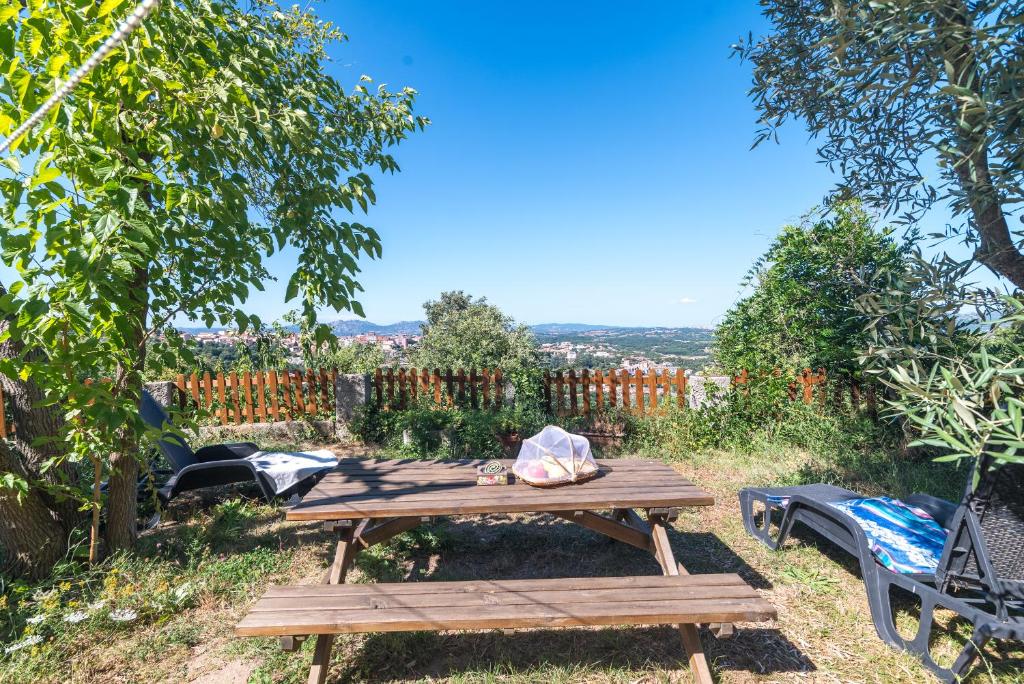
(403, 607)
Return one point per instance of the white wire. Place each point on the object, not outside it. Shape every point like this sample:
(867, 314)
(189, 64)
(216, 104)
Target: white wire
(123, 30)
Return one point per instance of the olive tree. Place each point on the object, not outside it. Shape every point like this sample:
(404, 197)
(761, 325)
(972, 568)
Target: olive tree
(917, 102)
(211, 140)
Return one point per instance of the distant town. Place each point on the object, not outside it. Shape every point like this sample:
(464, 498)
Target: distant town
(560, 345)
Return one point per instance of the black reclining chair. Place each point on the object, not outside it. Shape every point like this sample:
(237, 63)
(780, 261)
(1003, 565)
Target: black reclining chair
(210, 466)
(980, 575)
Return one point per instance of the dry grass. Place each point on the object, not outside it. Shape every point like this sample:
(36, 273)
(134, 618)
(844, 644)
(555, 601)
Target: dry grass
(823, 634)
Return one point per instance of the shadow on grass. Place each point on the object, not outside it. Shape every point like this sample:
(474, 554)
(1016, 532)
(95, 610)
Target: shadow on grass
(563, 654)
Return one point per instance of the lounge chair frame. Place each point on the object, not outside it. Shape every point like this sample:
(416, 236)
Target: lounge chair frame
(991, 603)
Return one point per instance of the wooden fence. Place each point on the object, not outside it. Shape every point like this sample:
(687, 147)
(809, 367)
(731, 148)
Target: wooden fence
(261, 396)
(572, 393)
(272, 396)
(483, 389)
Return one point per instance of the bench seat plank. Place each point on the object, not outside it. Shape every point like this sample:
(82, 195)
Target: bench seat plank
(324, 609)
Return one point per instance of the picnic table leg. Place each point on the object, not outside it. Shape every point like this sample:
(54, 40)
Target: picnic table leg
(689, 633)
(343, 556)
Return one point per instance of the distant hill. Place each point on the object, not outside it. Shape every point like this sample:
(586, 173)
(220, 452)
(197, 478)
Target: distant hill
(566, 328)
(358, 327)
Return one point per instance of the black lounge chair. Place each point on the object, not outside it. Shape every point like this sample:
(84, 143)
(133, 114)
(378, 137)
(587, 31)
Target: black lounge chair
(980, 575)
(210, 466)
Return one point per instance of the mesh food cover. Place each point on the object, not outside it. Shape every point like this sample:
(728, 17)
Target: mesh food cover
(554, 456)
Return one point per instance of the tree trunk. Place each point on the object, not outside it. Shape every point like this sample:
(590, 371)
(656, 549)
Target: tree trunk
(32, 538)
(34, 528)
(996, 248)
(122, 489)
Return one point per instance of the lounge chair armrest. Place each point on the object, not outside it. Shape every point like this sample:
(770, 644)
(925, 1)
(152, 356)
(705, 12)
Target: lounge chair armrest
(940, 509)
(226, 452)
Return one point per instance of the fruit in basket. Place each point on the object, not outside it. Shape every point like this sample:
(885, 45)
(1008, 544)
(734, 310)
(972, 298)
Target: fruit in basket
(535, 471)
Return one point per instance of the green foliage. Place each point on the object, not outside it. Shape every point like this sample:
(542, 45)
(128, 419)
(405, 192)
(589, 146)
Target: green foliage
(428, 431)
(892, 85)
(958, 381)
(801, 312)
(463, 332)
(213, 139)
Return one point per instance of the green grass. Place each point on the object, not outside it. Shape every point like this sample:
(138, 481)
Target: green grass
(192, 578)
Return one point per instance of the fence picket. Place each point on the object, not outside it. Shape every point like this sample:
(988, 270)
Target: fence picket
(573, 404)
(261, 396)
(223, 400)
(247, 388)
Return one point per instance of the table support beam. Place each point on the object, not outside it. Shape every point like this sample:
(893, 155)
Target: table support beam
(343, 557)
(385, 530)
(688, 633)
(609, 527)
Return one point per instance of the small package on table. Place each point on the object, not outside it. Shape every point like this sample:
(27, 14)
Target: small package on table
(492, 473)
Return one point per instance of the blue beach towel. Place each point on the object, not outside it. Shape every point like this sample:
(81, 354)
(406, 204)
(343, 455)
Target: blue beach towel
(903, 538)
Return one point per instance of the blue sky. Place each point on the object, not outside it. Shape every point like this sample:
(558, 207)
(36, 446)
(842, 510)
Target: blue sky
(587, 162)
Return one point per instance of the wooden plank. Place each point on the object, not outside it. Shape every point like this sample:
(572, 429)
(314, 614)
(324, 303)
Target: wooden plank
(235, 404)
(638, 379)
(609, 528)
(362, 465)
(261, 396)
(628, 586)
(685, 612)
(574, 408)
(425, 382)
(681, 388)
(343, 557)
(339, 509)
(286, 606)
(326, 395)
(182, 388)
(311, 407)
(547, 392)
(472, 388)
(468, 491)
(436, 378)
(687, 632)
(386, 530)
(624, 388)
(666, 387)
(389, 378)
(652, 385)
(250, 412)
(300, 403)
(402, 380)
(449, 386)
(286, 396)
(193, 381)
(275, 408)
(378, 386)
(612, 382)
(599, 389)
(461, 379)
(586, 391)
(539, 606)
(559, 394)
(223, 399)
(485, 390)
(208, 388)
(414, 381)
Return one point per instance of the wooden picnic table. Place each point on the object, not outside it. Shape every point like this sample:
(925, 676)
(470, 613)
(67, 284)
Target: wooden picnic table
(370, 501)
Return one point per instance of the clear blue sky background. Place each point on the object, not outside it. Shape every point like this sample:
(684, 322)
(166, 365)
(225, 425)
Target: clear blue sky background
(587, 162)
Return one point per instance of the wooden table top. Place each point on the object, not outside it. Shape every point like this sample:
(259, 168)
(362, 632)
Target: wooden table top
(374, 488)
